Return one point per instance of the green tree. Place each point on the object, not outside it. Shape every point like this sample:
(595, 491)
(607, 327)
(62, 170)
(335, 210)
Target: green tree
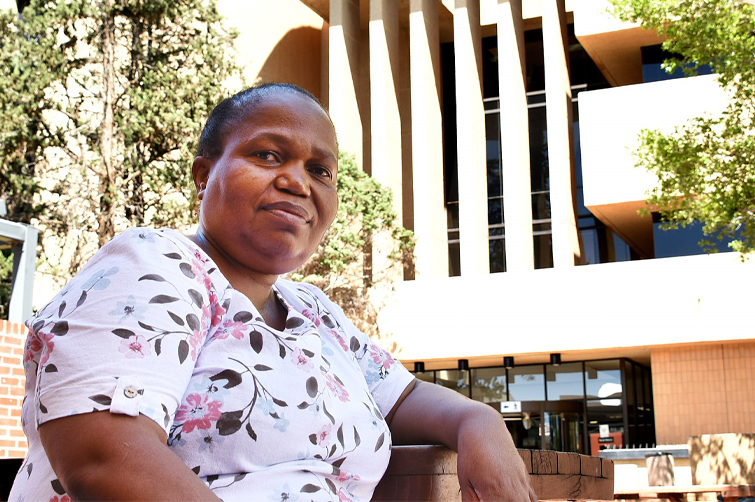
(101, 106)
(6, 274)
(706, 167)
(342, 263)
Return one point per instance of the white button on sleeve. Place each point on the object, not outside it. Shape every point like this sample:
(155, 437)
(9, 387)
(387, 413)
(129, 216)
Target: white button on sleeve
(127, 396)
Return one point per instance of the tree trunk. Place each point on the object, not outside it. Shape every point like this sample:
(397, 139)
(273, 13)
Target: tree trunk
(106, 229)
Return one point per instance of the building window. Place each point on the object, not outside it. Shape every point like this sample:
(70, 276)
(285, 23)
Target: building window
(457, 380)
(600, 244)
(489, 384)
(526, 383)
(496, 223)
(540, 179)
(684, 241)
(567, 403)
(564, 382)
(653, 57)
(454, 249)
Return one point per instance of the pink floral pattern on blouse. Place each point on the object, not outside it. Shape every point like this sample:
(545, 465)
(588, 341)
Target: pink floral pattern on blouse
(150, 326)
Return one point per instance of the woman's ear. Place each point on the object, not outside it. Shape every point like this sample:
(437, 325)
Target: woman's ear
(200, 171)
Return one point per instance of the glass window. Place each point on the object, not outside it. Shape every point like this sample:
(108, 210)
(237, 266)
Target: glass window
(495, 211)
(425, 376)
(604, 412)
(564, 381)
(630, 392)
(526, 383)
(653, 57)
(493, 152)
(603, 380)
(454, 250)
(534, 59)
(497, 251)
(452, 215)
(489, 384)
(454, 379)
(454, 259)
(543, 250)
(590, 244)
(538, 135)
(497, 243)
(622, 252)
(683, 241)
(541, 206)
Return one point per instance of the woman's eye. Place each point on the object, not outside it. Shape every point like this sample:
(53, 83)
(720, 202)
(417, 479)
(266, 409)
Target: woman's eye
(322, 172)
(265, 155)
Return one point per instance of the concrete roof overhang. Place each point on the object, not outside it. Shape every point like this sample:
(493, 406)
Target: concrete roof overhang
(613, 45)
(321, 7)
(623, 219)
(445, 18)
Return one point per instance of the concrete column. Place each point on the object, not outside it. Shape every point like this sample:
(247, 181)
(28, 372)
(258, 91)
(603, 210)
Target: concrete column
(515, 143)
(566, 243)
(430, 225)
(24, 246)
(384, 98)
(343, 75)
(470, 138)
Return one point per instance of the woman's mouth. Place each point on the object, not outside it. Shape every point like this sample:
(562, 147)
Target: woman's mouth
(289, 211)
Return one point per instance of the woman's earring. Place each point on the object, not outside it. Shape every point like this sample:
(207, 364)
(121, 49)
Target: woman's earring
(202, 186)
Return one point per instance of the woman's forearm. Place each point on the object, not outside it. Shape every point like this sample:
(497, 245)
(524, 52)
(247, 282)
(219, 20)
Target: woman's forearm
(431, 414)
(103, 456)
(489, 466)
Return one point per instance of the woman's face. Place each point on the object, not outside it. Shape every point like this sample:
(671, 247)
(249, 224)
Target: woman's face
(271, 195)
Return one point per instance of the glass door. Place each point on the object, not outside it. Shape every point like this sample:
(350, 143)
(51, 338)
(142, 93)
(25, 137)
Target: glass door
(562, 431)
(548, 425)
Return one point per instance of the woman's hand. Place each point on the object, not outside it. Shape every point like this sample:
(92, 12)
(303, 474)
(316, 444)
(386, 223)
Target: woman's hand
(103, 456)
(489, 466)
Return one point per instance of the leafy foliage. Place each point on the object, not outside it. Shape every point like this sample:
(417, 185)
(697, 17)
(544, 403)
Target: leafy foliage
(365, 210)
(342, 264)
(705, 168)
(101, 106)
(6, 274)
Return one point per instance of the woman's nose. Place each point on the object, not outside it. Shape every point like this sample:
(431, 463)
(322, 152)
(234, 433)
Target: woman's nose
(293, 177)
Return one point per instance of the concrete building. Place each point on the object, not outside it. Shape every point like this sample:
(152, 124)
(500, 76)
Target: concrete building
(505, 129)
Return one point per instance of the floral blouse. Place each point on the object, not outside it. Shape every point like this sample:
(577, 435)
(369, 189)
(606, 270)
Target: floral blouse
(151, 326)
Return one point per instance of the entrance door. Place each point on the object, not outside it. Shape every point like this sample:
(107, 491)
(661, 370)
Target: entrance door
(548, 425)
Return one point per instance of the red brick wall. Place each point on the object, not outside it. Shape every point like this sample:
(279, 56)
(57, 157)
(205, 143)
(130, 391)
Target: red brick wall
(12, 340)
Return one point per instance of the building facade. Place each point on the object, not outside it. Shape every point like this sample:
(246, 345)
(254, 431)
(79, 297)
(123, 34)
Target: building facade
(504, 129)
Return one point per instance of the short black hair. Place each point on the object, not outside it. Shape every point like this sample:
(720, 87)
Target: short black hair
(235, 108)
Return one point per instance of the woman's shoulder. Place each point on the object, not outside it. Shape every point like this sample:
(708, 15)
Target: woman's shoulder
(132, 257)
(139, 236)
(144, 246)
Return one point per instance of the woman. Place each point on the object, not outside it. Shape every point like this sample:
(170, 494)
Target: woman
(181, 368)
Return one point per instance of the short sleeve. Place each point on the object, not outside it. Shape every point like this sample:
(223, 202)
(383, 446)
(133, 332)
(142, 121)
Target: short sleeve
(386, 377)
(125, 333)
